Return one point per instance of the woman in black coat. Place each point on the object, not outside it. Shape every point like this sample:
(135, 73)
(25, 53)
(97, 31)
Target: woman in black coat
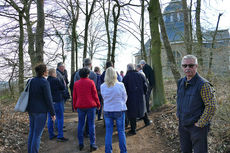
(136, 87)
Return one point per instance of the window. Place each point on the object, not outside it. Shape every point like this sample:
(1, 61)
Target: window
(178, 17)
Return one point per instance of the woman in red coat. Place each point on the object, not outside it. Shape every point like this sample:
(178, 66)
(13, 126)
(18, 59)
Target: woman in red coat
(85, 101)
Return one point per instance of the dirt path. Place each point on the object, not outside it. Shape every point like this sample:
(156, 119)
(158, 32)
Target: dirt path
(145, 141)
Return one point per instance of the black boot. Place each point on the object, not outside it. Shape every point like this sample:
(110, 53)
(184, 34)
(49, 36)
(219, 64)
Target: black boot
(93, 148)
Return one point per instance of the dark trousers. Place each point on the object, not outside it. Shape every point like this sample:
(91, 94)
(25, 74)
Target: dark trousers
(148, 94)
(99, 112)
(133, 122)
(193, 138)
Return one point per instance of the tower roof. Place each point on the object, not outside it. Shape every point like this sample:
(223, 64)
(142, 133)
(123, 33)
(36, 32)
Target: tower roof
(174, 6)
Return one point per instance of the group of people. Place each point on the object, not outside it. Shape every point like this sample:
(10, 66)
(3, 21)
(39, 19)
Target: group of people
(123, 99)
(119, 95)
(46, 100)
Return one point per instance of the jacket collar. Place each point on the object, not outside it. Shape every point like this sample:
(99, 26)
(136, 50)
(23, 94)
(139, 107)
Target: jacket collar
(190, 82)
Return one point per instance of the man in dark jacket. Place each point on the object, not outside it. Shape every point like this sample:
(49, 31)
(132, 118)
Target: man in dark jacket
(88, 64)
(149, 74)
(62, 75)
(107, 65)
(196, 105)
(57, 88)
(136, 87)
(71, 88)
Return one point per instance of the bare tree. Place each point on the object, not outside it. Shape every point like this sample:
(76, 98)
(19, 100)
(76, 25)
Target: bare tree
(188, 44)
(213, 43)
(116, 14)
(31, 35)
(88, 13)
(158, 92)
(21, 54)
(106, 12)
(143, 52)
(168, 48)
(40, 31)
(20, 12)
(199, 33)
(95, 42)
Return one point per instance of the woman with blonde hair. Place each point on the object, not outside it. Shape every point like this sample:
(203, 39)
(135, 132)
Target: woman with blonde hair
(114, 95)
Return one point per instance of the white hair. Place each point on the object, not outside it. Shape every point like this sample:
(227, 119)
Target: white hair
(190, 57)
(130, 67)
(142, 62)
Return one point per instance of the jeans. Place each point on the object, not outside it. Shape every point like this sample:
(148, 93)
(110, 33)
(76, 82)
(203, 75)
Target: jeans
(59, 120)
(90, 113)
(62, 109)
(37, 124)
(193, 138)
(119, 117)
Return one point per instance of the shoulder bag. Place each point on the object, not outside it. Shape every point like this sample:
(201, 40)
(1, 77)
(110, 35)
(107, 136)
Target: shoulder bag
(23, 99)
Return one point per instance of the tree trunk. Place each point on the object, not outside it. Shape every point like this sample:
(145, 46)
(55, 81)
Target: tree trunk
(187, 41)
(199, 34)
(211, 51)
(76, 51)
(73, 46)
(115, 20)
(168, 48)
(20, 55)
(88, 16)
(40, 31)
(143, 52)
(10, 81)
(106, 17)
(158, 92)
(190, 23)
(31, 37)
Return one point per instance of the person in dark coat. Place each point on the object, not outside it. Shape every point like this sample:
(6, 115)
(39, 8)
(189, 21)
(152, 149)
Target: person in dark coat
(71, 88)
(107, 65)
(62, 76)
(98, 87)
(39, 103)
(136, 87)
(149, 74)
(57, 88)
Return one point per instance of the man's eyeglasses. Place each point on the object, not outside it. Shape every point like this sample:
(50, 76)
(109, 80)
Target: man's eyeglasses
(189, 65)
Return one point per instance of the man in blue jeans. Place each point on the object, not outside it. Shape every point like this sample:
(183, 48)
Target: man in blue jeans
(196, 105)
(57, 86)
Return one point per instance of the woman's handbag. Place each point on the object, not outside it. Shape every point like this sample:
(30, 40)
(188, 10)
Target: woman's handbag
(23, 99)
